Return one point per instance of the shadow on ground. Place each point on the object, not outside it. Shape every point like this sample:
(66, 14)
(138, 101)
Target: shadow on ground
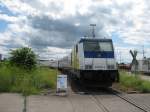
(81, 88)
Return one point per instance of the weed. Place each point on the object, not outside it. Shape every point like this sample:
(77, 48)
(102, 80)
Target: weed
(14, 79)
(134, 81)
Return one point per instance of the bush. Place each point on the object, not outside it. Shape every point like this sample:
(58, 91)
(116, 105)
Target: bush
(23, 57)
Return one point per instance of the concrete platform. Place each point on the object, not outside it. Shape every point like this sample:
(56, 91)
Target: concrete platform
(48, 104)
(11, 102)
(79, 103)
(74, 103)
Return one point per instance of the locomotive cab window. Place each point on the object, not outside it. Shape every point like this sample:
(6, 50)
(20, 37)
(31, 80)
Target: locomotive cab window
(98, 46)
(91, 46)
(106, 46)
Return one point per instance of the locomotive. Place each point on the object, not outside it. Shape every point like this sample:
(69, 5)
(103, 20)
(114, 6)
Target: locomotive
(92, 61)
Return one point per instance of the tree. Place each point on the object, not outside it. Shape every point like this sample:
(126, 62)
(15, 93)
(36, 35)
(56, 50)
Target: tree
(24, 58)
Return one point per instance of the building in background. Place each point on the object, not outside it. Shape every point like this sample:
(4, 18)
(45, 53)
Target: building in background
(42, 62)
(124, 66)
(142, 66)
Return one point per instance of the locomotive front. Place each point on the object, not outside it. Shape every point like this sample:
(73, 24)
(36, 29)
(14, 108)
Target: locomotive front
(94, 61)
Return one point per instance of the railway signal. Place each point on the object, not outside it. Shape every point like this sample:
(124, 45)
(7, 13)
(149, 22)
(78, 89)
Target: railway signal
(134, 60)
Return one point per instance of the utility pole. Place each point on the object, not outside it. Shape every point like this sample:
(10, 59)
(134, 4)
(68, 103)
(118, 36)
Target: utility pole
(119, 53)
(93, 29)
(143, 52)
(120, 57)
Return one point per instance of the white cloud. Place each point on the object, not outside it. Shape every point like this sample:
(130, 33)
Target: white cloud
(19, 7)
(52, 23)
(8, 18)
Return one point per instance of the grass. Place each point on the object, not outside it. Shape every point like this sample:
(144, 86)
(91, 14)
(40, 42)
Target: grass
(133, 82)
(14, 79)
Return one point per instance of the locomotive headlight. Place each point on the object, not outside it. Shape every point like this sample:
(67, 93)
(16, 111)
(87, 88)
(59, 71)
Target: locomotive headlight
(88, 66)
(110, 66)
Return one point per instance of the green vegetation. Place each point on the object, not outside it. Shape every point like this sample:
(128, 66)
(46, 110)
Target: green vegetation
(20, 74)
(23, 58)
(15, 79)
(133, 82)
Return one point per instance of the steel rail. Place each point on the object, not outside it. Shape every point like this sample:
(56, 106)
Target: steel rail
(99, 104)
(129, 100)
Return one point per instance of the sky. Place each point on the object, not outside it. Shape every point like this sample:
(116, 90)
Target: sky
(52, 27)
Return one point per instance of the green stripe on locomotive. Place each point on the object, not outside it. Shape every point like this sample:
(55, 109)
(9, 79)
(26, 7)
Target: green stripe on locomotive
(75, 59)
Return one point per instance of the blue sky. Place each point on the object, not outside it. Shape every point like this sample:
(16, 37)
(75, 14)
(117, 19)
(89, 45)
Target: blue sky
(3, 25)
(5, 10)
(52, 27)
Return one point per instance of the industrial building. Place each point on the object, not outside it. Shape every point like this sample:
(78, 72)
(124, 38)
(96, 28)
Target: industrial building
(142, 66)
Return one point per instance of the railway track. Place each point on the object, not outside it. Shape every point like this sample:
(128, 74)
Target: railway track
(143, 108)
(122, 96)
(99, 103)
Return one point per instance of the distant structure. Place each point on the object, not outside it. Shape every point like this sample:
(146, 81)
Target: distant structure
(143, 52)
(143, 66)
(42, 62)
(124, 66)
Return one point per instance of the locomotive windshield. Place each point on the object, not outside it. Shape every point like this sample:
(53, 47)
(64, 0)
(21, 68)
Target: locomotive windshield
(97, 46)
(106, 46)
(91, 46)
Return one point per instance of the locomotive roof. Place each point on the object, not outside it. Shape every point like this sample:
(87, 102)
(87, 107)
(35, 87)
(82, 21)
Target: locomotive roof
(94, 40)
